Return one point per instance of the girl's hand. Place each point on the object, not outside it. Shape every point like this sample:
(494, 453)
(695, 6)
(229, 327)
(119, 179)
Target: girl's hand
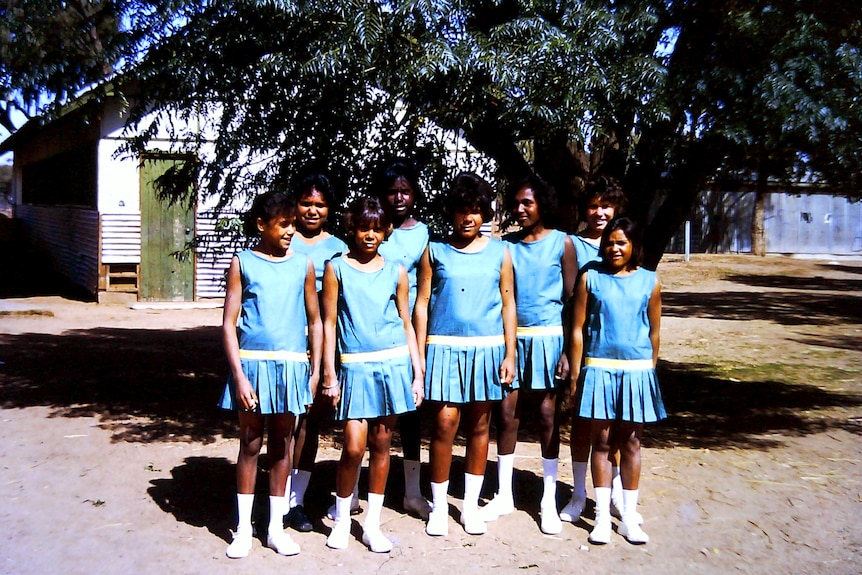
(332, 391)
(562, 370)
(507, 372)
(313, 382)
(418, 390)
(573, 386)
(245, 394)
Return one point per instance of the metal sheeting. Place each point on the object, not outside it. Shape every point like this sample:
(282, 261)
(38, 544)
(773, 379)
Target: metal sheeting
(214, 251)
(69, 237)
(813, 224)
(121, 238)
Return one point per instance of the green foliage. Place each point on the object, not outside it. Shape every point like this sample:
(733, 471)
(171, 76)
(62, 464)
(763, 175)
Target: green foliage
(668, 95)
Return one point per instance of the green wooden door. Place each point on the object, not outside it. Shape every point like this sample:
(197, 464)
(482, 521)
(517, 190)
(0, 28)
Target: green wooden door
(165, 231)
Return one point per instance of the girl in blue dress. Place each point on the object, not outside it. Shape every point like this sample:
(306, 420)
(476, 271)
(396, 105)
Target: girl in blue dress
(315, 197)
(544, 262)
(397, 187)
(613, 353)
(269, 303)
(367, 319)
(603, 200)
(465, 323)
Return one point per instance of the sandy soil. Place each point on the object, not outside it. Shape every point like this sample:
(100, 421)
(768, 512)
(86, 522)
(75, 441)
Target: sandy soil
(114, 460)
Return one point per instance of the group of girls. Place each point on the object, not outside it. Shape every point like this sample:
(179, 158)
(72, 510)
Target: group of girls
(467, 325)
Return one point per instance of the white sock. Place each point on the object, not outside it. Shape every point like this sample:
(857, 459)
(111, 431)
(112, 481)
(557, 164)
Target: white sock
(276, 513)
(472, 489)
(549, 482)
(603, 502)
(411, 479)
(505, 470)
(287, 491)
(298, 484)
(342, 508)
(372, 516)
(579, 472)
(440, 497)
(244, 504)
(630, 503)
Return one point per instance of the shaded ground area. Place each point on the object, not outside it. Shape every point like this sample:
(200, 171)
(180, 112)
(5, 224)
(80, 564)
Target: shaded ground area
(115, 459)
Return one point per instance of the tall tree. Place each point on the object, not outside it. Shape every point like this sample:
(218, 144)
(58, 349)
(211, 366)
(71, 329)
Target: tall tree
(667, 95)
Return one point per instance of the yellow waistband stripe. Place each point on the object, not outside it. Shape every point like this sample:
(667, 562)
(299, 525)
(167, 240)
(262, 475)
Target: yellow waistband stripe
(618, 363)
(541, 330)
(380, 355)
(474, 341)
(273, 354)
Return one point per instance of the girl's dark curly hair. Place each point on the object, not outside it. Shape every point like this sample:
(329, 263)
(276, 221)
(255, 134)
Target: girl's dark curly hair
(391, 172)
(634, 234)
(320, 183)
(366, 210)
(266, 207)
(544, 194)
(606, 188)
(468, 191)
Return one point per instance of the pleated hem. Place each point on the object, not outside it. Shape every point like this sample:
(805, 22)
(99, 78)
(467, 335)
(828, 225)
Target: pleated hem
(622, 395)
(281, 386)
(537, 362)
(463, 374)
(375, 389)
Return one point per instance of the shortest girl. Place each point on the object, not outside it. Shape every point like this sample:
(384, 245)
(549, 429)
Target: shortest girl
(614, 349)
(367, 314)
(270, 301)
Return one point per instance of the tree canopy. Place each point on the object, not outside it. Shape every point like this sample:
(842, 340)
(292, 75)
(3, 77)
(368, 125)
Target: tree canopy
(670, 96)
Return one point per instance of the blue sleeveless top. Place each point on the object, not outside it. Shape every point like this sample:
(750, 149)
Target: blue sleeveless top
(617, 321)
(406, 246)
(272, 316)
(465, 290)
(585, 251)
(539, 279)
(319, 253)
(368, 318)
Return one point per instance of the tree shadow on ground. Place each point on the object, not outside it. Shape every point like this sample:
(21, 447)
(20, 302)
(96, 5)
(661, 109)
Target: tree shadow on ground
(786, 308)
(144, 385)
(707, 410)
(817, 283)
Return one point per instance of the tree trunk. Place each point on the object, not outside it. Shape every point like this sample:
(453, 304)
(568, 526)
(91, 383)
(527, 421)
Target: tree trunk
(758, 231)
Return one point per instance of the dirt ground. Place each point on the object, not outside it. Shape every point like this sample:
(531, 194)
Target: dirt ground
(114, 459)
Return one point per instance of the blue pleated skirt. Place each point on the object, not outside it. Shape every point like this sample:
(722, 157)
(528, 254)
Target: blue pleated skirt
(372, 389)
(620, 394)
(281, 386)
(463, 374)
(537, 362)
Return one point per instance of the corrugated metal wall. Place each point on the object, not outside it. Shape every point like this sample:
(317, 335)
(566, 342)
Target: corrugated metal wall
(215, 248)
(813, 224)
(121, 238)
(794, 224)
(69, 237)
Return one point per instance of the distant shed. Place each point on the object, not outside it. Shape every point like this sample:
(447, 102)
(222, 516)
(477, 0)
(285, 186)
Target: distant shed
(98, 216)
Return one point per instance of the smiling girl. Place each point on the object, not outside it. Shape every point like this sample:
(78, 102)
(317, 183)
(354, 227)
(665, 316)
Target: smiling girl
(613, 354)
(367, 320)
(466, 325)
(269, 302)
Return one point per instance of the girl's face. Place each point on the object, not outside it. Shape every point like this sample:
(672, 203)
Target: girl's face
(400, 198)
(367, 238)
(618, 251)
(599, 213)
(276, 233)
(467, 222)
(311, 211)
(526, 208)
